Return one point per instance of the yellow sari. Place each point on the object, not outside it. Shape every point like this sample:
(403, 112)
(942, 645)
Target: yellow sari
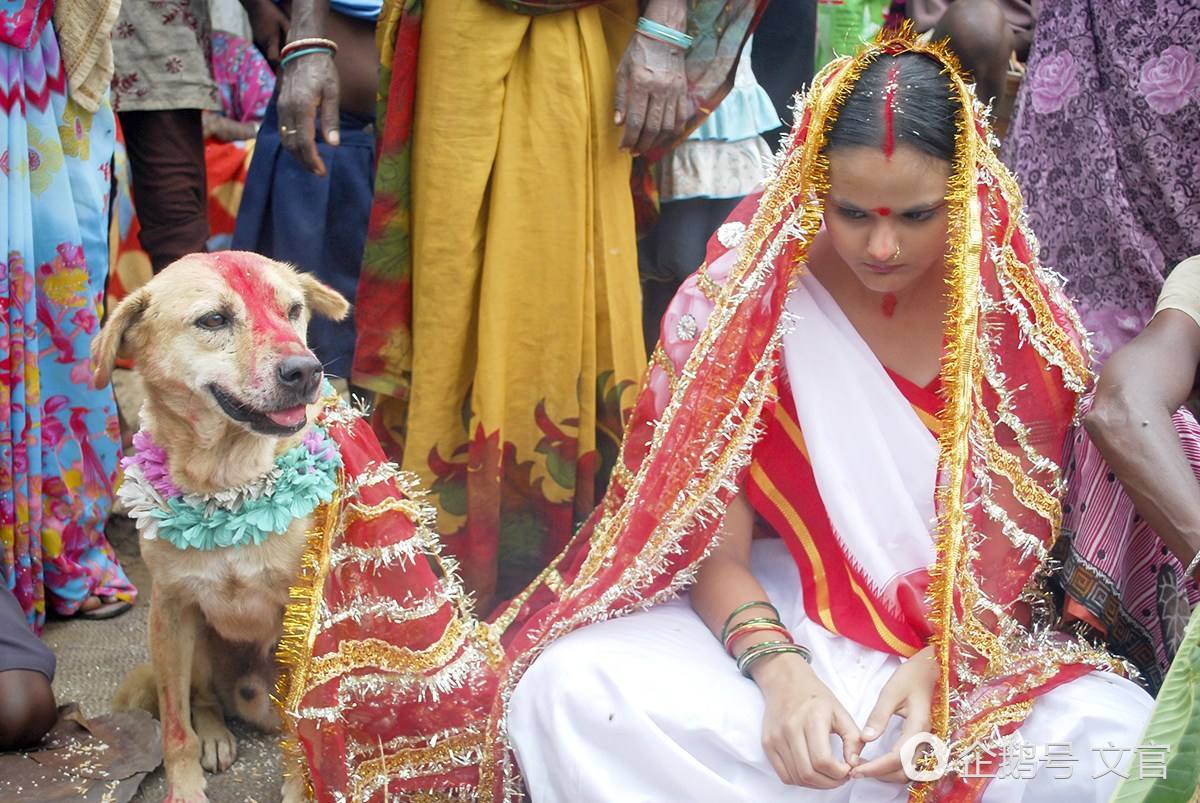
(526, 304)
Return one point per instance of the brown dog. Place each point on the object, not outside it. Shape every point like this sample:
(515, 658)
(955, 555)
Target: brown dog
(219, 340)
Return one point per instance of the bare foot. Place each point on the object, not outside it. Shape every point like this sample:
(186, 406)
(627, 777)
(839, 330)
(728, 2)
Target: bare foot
(95, 608)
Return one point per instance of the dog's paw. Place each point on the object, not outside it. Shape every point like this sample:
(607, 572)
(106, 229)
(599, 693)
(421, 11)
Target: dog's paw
(218, 747)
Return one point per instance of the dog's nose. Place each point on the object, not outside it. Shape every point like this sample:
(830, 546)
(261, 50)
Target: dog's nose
(300, 373)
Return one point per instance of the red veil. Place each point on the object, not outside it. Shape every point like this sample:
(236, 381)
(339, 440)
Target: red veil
(395, 689)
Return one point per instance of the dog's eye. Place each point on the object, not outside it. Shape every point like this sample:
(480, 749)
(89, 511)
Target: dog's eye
(212, 321)
(295, 311)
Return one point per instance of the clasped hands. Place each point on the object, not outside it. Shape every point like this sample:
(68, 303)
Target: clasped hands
(802, 713)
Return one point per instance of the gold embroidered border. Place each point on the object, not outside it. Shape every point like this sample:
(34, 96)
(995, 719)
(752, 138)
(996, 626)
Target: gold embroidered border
(706, 285)
(359, 512)
(372, 652)
(407, 762)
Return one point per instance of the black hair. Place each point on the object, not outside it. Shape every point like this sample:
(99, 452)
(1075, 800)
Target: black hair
(925, 107)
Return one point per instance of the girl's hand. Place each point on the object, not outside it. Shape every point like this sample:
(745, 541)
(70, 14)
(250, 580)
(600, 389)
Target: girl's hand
(909, 694)
(801, 715)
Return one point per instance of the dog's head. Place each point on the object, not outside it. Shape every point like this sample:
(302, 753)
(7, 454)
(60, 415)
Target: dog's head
(227, 329)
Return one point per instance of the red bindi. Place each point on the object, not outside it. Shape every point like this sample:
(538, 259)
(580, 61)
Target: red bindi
(889, 111)
(882, 211)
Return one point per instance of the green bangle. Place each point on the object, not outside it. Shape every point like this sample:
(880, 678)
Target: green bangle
(752, 655)
(305, 52)
(754, 649)
(663, 33)
(746, 607)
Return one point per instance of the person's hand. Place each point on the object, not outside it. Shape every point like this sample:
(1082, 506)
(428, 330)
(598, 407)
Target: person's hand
(308, 84)
(268, 26)
(210, 124)
(908, 693)
(651, 94)
(801, 715)
(223, 129)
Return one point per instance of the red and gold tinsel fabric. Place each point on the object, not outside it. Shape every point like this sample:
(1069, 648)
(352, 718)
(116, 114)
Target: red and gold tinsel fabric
(397, 691)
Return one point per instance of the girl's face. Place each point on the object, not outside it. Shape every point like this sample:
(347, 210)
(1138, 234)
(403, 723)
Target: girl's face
(886, 215)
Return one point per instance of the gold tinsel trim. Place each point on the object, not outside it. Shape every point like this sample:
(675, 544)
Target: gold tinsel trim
(377, 654)
(300, 625)
(454, 750)
(359, 512)
(708, 288)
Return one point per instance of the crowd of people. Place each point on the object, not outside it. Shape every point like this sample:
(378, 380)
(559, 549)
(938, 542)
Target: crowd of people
(636, 331)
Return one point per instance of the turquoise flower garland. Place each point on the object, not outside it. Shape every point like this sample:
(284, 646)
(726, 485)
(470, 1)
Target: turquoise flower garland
(303, 478)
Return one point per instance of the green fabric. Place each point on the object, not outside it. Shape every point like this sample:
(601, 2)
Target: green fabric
(1175, 721)
(844, 25)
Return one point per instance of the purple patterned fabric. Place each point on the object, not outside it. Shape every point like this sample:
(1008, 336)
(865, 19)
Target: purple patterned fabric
(1117, 573)
(1105, 143)
(244, 79)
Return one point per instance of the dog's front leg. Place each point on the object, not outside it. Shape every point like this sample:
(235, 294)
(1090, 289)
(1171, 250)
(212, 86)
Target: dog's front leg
(174, 628)
(218, 747)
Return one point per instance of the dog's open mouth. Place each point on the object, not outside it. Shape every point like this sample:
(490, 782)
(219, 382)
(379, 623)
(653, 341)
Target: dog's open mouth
(284, 421)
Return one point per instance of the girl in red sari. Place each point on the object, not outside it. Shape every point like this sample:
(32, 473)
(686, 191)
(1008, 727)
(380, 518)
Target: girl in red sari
(651, 706)
(872, 371)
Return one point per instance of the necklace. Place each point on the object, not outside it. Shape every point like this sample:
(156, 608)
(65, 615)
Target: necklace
(301, 478)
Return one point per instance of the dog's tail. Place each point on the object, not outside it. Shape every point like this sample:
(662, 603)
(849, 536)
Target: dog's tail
(138, 690)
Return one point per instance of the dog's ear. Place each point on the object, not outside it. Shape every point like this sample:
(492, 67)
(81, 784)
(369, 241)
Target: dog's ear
(322, 299)
(107, 345)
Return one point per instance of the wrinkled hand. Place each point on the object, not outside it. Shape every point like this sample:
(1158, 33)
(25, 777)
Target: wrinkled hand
(801, 716)
(268, 26)
(909, 694)
(223, 129)
(651, 94)
(308, 84)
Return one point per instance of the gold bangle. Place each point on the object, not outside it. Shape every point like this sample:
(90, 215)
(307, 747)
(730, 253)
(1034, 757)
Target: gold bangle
(308, 41)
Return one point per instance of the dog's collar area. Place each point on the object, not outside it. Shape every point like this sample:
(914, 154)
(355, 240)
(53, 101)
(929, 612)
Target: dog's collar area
(257, 420)
(302, 478)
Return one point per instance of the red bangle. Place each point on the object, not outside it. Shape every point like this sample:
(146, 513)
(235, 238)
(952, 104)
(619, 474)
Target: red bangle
(737, 634)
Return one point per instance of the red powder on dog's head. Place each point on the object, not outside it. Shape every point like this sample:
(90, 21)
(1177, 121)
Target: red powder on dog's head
(889, 111)
(268, 323)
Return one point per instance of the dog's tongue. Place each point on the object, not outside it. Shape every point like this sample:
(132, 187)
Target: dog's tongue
(289, 417)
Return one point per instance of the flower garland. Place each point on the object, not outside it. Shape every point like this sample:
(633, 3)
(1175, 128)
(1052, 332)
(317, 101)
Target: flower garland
(302, 478)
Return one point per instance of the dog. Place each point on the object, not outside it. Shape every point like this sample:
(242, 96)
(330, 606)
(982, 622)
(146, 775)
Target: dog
(230, 383)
